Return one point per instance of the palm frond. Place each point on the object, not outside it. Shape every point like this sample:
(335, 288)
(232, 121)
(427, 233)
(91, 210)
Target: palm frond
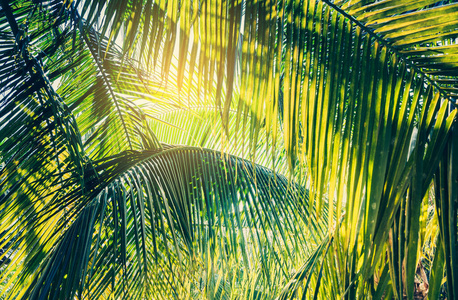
(102, 95)
(39, 136)
(357, 97)
(446, 191)
(152, 219)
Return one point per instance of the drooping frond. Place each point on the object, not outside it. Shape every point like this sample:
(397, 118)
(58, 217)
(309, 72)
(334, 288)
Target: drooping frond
(39, 136)
(446, 193)
(163, 222)
(102, 94)
(201, 127)
(422, 32)
(358, 97)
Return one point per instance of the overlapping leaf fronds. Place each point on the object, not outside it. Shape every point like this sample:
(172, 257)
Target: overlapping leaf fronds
(358, 97)
(422, 31)
(203, 128)
(101, 92)
(152, 220)
(39, 135)
(363, 113)
(446, 194)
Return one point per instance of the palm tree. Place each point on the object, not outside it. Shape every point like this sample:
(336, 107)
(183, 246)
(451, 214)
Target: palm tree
(228, 149)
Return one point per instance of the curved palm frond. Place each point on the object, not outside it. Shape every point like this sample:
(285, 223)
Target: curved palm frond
(360, 110)
(423, 32)
(99, 92)
(152, 220)
(201, 127)
(360, 96)
(39, 137)
(97, 84)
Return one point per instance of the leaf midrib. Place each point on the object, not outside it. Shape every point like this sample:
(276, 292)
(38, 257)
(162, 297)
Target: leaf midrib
(395, 50)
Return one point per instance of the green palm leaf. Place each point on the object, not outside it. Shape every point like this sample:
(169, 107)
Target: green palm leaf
(356, 100)
(138, 231)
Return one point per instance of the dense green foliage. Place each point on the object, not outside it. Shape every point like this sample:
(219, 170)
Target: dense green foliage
(228, 149)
